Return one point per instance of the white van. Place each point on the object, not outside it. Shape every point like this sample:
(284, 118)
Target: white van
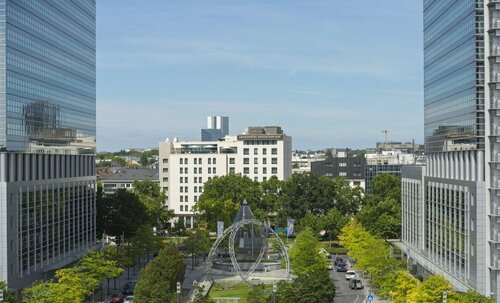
(350, 274)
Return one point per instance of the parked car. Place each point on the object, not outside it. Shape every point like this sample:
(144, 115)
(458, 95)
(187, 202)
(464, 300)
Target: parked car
(341, 267)
(338, 260)
(128, 289)
(329, 266)
(350, 274)
(129, 299)
(356, 284)
(116, 298)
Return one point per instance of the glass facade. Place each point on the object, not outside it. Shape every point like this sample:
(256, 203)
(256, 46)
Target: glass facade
(454, 75)
(48, 60)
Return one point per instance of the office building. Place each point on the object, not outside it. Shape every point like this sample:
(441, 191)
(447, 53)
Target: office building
(351, 168)
(259, 153)
(114, 178)
(47, 136)
(451, 217)
(217, 128)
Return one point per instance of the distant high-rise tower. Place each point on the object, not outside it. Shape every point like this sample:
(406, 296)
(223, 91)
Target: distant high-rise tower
(47, 136)
(217, 127)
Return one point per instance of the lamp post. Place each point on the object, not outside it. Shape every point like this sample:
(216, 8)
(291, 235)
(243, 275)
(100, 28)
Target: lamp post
(178, 292)
(275, 290)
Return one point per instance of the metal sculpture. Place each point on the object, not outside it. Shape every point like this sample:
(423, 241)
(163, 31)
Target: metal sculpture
(231, 232)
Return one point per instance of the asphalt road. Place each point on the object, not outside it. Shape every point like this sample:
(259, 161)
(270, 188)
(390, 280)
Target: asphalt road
(344, 294)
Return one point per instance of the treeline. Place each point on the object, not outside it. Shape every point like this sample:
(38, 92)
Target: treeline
(323, 204)
(391, 277)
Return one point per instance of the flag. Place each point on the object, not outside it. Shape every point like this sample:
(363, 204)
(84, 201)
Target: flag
(290, 227)
(220, 228)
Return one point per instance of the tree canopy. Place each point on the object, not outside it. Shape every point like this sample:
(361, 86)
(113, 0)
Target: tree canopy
(305, 254)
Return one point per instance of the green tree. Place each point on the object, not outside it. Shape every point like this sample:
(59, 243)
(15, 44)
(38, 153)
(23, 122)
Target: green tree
(52, 292)
(347, 199)
(332, 223)
(305, 254)
(405, 283)
(213, 210)
(382, 219)
(144, 160)
(271, 191)
(157, 282)
(121, 161)
(150, 194)
(8, 294)
(469, 297)
(313, 222)
(144, 242)
(197, 243)
(314, 287)
(258, 294)
(430, 291)
(386, 186)
(120, 212)
(306, 193)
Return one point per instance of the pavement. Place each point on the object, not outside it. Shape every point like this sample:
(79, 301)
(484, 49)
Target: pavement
(343, 293)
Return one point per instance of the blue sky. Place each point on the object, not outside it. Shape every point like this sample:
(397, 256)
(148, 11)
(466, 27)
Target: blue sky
(331, 73)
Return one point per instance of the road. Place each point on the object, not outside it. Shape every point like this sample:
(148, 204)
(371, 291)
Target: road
(343, 294)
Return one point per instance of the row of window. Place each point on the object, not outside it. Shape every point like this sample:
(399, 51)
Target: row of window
(197, 170)
(246, 151)
(195, 160)
(186, 199)
(196, 189)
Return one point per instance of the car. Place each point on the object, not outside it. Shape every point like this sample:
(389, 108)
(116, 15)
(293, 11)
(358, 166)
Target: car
(341, 267)
(338, 260)
(350, 274)
(329, 266)
(128, 289)
(356, 284)
(129, 299)
(116, 298)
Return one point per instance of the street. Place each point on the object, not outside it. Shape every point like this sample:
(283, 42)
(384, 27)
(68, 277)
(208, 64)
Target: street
(343, 293)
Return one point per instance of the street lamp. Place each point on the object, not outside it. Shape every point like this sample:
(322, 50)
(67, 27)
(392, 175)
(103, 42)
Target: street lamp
(178, 292)
(275, 290)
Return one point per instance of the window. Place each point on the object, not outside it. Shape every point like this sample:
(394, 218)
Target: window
(255, 170)
(182, 206)
(274, 151)
(199, 161)
(246, 161)
(165, 170)
(246, 170)
(342, 164)
(165, 160)
(195, 170)
(264, 170)
(209, 170)
(181, 170)
(195, 161)
(274, 161)
(246, 151)
(186, 200)
(214, 170)
(199, 170)
(195, 189)
(181, 161)
(185, 160)
(231, 170)
(165, 179)
(342, 173)
(255, 151)
(195, 198)
(165, 189)
(256, 178)
(214, 161)
(182, 198)
(199, 179)
(231, 160)
(195, 180)
(185, 170)
(185, 189)
(274, 170)
(264, 161)
(356, 183)
(200, 189)
(209, 160)
(181, 189)
(264, 151)
(264, 179)
(255, 161)
(185, 179)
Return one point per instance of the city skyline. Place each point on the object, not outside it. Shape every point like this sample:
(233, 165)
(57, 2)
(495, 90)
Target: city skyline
(337, 81)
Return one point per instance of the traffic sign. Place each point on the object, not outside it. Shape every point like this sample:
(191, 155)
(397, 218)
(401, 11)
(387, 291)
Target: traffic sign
(370, 298)
(1, 295)
(275, 287)
(445, 297)
(178, 287)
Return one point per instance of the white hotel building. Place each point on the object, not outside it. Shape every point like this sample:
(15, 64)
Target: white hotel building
(259, 153)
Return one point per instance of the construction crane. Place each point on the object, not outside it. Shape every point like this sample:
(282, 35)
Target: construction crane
(386, 135)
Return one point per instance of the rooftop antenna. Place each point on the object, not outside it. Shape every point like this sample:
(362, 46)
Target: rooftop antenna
(386, 135)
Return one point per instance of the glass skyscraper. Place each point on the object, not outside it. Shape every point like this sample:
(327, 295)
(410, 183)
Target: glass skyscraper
(451, 208)
(47, 136)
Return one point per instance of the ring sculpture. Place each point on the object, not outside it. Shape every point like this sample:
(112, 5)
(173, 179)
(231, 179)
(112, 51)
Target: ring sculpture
(231, 232)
